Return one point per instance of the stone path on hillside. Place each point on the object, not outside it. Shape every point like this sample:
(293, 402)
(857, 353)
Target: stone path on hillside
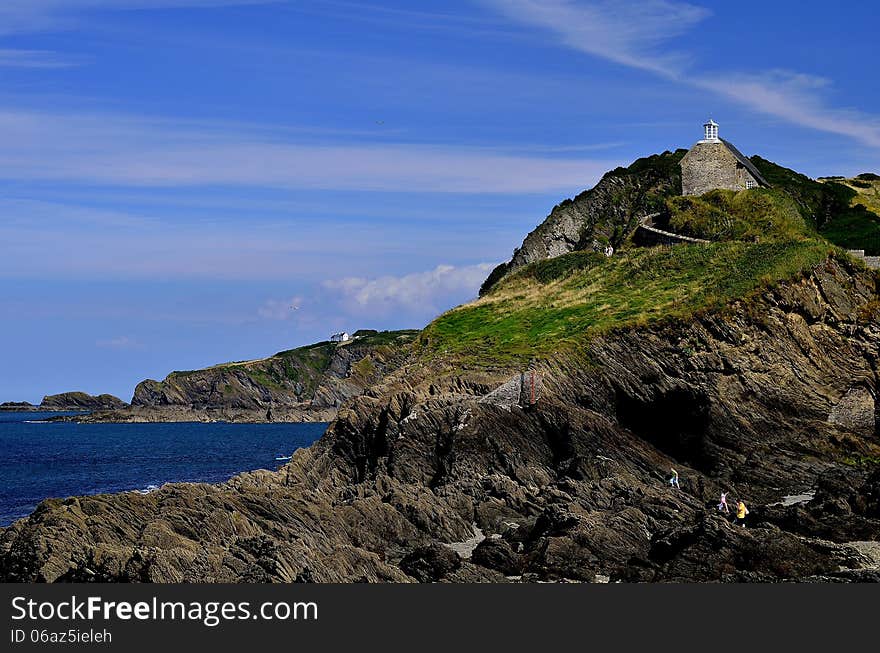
(664, 237)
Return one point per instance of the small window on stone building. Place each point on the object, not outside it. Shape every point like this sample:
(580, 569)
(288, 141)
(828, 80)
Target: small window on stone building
(750, 183)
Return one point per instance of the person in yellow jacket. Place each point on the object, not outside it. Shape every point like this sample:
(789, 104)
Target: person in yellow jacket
(741, 512)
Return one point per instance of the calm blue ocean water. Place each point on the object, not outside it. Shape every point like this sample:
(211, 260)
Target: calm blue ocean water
(40, 460)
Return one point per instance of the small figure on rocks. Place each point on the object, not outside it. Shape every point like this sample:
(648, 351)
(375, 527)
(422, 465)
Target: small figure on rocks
(673, 482)
(741, 512)
(609, 251)
(723, 507)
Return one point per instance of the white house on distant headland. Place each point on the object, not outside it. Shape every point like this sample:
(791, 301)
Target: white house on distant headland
(715, 163)
(340, 337)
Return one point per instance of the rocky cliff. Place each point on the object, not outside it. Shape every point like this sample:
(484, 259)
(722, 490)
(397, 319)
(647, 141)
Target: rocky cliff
(605, 214)
(17, 406)
(431, 476)
(71, 401)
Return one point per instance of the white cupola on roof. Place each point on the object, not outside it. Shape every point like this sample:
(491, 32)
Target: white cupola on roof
(710, 130)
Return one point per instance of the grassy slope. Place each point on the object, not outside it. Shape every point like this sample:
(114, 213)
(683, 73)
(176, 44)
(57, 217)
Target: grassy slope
(832, 207)
(859, 227)
(558, 303)
(866, 189)
(643, 187)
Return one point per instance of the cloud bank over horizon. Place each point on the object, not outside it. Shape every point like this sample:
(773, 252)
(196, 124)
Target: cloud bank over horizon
(135, 151)
(422, 293)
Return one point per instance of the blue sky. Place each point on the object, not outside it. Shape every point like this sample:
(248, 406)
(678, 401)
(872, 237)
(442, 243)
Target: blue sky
(175, 174)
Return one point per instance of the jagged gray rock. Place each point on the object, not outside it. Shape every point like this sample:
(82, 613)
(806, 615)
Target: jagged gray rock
(605, 214)
(69, 401)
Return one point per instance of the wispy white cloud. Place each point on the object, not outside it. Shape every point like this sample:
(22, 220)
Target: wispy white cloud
(119, 342)
(281, 309)
(33, 59)
(425, 292)
(54, 240)
(120, 150)
(796, 98)
(619, 30)
(637, 33)
(18, 16)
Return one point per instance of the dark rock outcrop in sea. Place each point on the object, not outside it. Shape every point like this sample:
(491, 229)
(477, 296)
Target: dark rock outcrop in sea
(72, 401)
(17, 406)
(424, 477)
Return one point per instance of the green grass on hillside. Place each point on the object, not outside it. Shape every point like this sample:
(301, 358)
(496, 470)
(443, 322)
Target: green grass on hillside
(758, 214)
(558, 303)
(838, 208)
(857, 228)
(865, 188)
(858, 225)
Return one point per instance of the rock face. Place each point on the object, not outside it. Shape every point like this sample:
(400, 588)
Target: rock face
(746, 400)
(605, 214)
(69, 401)
(17, 406)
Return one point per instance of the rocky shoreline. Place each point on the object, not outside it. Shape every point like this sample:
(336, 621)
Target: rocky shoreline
(139, 415)
(763, 400)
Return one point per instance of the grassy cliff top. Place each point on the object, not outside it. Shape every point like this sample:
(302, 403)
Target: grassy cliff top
(865, 188)
(759, 237)
(842, 210)
(561, 302)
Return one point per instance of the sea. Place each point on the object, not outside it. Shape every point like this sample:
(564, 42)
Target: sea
(41, 459)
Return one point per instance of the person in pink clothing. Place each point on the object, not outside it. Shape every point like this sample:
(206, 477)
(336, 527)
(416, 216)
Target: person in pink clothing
(723, 507)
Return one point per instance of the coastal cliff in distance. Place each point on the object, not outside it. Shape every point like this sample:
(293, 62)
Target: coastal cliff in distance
(71, 401)
(530, 435)
(304, 384)
(68, 402)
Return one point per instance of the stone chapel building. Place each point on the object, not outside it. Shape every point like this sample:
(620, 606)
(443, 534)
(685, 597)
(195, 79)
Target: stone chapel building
(715, 163)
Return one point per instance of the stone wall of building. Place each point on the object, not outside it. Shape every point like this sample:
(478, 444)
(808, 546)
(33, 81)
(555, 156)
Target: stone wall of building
(709, 166)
